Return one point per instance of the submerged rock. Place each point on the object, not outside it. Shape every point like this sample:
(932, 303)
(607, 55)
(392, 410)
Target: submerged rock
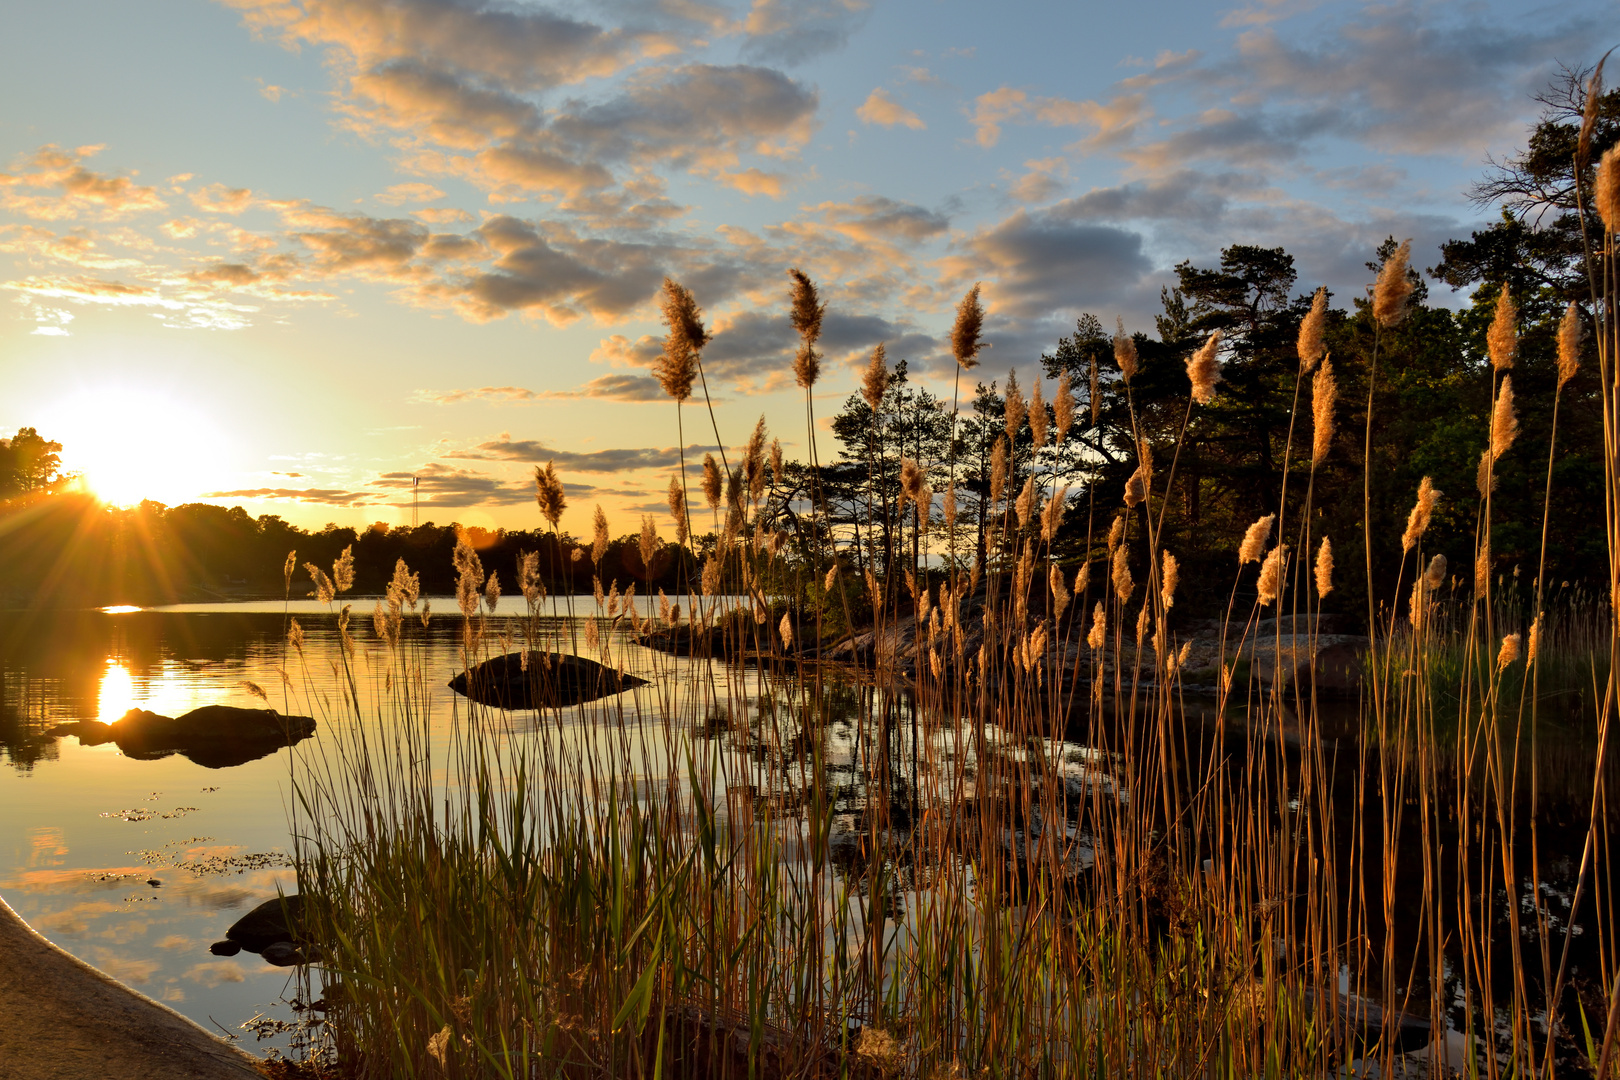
(552, 681)
(214, 736)
(275, 921)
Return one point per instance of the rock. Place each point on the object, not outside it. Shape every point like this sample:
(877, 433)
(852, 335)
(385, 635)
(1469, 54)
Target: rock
(225, 948)
(552, 681)
(88, 732)
(274, 920)
(214, 736)
(154, 882)
(1338, 659)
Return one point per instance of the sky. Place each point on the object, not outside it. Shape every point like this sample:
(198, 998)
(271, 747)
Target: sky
(292, 254)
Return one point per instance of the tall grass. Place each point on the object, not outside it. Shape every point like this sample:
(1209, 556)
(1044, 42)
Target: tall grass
(1042, 857)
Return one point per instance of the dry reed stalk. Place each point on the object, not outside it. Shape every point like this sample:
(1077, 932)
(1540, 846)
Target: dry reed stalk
(1484, 479)
(1204, 369)
(1502, 339)
(548, 493)
(1393, 288)
(1093, 401)
(711, 481)
(1417, 522)
(1253, 547)
(966, 341)
(1124, 351)
(1571, 332)
(1504, 422)
(806, 312)
(1324, 395)
(1324, 568)
(1312, 331)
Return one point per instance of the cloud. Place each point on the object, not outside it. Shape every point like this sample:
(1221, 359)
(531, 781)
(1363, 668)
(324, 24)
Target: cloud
(535, 452)
(1113, 123)
(603, 387)
(219, 199)
(878, 219)
(1041, 180)
(793, 31)
(881, 109)
(1044, 262)
(399, 194)
(51, 184)
(437, 484)
(216, 972)
(317, 496)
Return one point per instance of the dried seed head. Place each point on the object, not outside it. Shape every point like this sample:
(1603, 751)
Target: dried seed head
(1052, 516)
(1120, 575)
(1116, 533)
(649, 544)
(288, 567)
(1417, 605)
(405, 587)
(785, 628)
(1099, 628)
(1312, 346)
(776, 462)
(950, 507)
(1026, 502)
(1417, 522)
(528, 577)
(1271, 574)
(1037, 415)
(754, 460)
(1482, 571)
(1394, 288)
(1484, 477)
(677, 508)
(711, 481)
(1589, 111)
(548, 493)
(1063, 408)
(599, 539)
(734, 489)
(1606, 189)
(343, 570)
(1204, 369)
(1570, 333)
(1509, 652)
(324, 589)
(711, 575)
(1534, 645)
(1124, 350)
(1060, 592)
(1324, 394)
(1144, 616)
(1082, 579)
(295, 635)
(492, 592)
(469, 576)
(676, 367)
(1502, 339)
(1435, 575)
(1169, 577)
(1015, 408)
(965, 339)
(1504, 423)
(1135, 491)
(1253, 547)
(1324, 568)
(832, 578)
(875, 383)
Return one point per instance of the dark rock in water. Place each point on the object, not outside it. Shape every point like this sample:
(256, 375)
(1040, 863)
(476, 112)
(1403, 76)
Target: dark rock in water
(283, 954)
(274, 920)
(553, 680)
(225, 948)
(214, 736)
(88, 732)
(1369, 1024)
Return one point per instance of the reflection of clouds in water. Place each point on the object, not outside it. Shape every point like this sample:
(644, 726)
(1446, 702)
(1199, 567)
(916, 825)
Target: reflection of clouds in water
(76, 880)
(174, 941)
(45, 844)
(220, 971)
(174, 993)
(74, 921)
(124, 968)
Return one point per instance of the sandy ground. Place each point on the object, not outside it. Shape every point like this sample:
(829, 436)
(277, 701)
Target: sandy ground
(61, 1019)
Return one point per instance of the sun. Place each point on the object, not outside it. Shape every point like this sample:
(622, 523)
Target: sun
(130, 445)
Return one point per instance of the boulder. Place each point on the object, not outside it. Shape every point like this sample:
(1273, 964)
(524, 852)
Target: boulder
(214, 736)
(276, 920)
(551, 681)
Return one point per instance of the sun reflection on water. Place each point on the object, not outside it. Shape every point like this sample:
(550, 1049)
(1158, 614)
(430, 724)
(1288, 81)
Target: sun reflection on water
(117, 695)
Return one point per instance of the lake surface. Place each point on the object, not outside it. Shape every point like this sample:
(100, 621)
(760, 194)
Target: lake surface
(86, 830)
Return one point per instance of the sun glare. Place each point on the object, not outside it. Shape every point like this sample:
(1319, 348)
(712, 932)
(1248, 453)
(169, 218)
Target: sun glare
(135, 445)
(117, 694)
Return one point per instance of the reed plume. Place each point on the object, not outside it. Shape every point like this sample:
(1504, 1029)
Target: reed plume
(1484, 479)
(776, 462)
(754, 460)
(1124, 350)
(1482, 570)
(324, 589)
(405, 587)
(1026, 501)
(1060, 593)
(677, 508)
(1417, 604)
(1509, 651)
(1324, 395)
(1120, 575)
(1063, 408)
(492, 592)
(1204, 369)
(711, 481)
(875, 383)
(1015, 408)
(288, 568)
(950, 507)
(649, 544)
(1037, 415)
(599, 540)
(1169, 578)
(1253, 548)
(1271, 574)
(1502, 339)
(806, 313)
(1571, 331)
(911, 479)
(1534, 644)
(998, 470)
(1312, 330)
(469, 576)
(548, 493)
(1589, 111)
(1135, 489)
(1417, 522)
(1099, 628)
(1435, 575)
(343, 570)
(785, 628)
(1393, 288)
(528, 578)
(710, 581)
(1324, 568)
(1082, 579)
(832, 578)
(1504, 423)
(676, 366)
(1606, 189)
(965, 334)
(1052, 516)
(1116, 533)
(295, 635)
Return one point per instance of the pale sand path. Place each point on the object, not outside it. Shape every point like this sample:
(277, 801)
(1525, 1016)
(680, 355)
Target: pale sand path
(61, 1019)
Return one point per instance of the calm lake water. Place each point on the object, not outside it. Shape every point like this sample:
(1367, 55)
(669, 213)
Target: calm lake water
(86, 830)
